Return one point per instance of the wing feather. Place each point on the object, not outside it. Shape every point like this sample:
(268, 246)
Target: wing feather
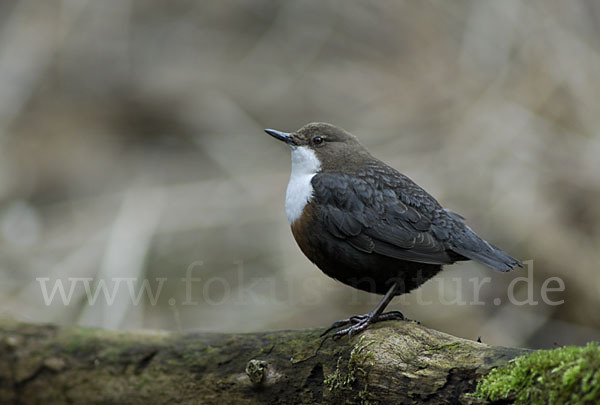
(373, 219)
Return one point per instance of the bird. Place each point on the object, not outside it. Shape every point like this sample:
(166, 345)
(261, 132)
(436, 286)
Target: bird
(369, 226)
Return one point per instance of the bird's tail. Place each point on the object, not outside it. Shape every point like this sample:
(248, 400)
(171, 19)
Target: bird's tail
(471, 246)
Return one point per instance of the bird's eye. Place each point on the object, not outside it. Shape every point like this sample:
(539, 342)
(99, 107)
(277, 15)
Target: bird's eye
(317, 140)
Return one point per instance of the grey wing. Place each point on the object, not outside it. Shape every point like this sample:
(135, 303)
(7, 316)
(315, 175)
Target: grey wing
(448, 227)
(372, 218)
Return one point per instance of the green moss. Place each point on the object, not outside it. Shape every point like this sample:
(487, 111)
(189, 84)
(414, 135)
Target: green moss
(338, 379)
(345, 377)
(568, 375)
(447, 346)
(298, 346)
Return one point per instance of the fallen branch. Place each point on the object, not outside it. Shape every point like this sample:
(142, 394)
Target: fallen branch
(392, 362)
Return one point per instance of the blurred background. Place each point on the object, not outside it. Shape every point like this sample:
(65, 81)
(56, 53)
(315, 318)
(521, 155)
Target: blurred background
(132, 149)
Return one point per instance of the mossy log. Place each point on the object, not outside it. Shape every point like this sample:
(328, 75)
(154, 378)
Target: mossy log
(392, 362)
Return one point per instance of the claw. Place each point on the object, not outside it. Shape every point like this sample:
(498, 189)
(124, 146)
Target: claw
(343, 322)
(359, 323)
(353, 330)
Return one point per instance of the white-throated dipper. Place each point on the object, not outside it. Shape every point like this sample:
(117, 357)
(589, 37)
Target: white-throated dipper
(369, 226)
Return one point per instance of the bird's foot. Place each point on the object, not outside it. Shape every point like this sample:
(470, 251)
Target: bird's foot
(359, 323)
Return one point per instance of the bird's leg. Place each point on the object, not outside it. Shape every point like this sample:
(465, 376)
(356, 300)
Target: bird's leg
(361, 322)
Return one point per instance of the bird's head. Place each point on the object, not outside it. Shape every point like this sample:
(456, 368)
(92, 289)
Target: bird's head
(323, 145)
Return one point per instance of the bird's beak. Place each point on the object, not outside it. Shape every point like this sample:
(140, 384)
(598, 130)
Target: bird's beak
(282, 136)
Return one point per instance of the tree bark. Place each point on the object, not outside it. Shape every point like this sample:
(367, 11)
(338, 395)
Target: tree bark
(391, 362)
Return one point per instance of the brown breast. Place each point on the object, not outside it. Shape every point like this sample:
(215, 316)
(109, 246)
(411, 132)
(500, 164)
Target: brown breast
(302, 229)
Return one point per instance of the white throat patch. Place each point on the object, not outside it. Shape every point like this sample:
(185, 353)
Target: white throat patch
(305, 165)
